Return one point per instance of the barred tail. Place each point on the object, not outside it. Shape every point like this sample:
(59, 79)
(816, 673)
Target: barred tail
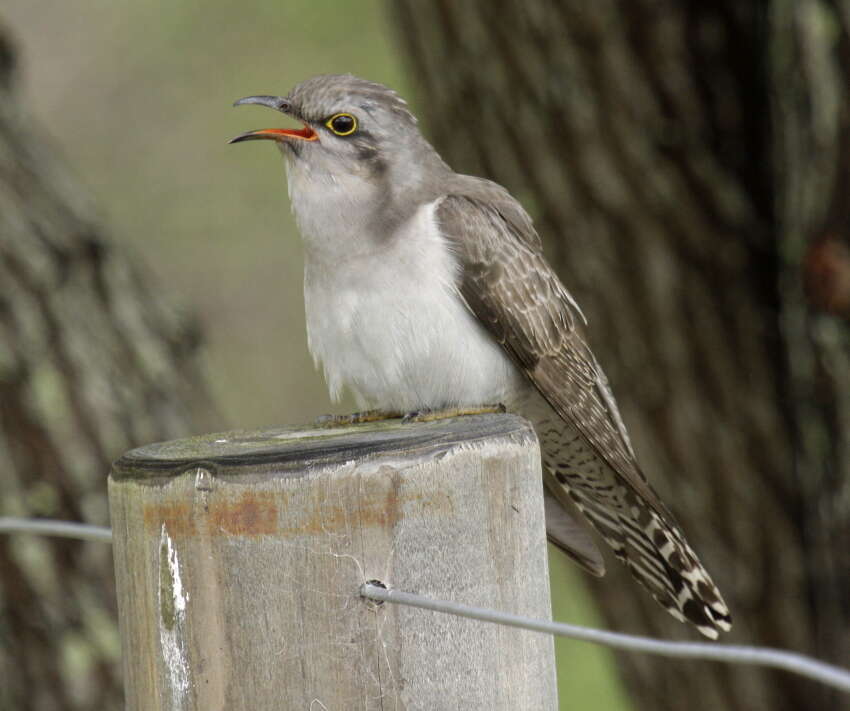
(654, 549)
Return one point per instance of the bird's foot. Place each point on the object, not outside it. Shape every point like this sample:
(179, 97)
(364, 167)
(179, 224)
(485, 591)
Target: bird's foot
(429, 415)
(355, 418)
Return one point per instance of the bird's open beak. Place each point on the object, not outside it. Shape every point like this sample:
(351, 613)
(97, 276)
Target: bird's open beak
(275, 134)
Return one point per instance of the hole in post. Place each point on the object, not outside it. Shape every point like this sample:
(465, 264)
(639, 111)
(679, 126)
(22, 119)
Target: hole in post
(377, 584)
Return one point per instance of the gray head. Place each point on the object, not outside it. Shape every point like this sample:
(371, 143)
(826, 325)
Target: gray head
(359, 144)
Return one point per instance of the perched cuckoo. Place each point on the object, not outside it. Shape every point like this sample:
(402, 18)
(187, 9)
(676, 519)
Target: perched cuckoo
(427, 291)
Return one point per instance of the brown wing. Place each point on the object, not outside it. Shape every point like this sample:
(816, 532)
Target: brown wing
(511, 288)
(508, 285)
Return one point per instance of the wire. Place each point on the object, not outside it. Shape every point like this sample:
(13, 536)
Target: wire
(762, 656)
(50, 527)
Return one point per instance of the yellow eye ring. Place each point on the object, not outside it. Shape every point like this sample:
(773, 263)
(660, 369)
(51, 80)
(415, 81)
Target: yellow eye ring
(342, 124)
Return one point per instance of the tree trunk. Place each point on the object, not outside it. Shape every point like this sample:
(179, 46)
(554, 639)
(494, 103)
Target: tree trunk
(688, 165)
(91, 364)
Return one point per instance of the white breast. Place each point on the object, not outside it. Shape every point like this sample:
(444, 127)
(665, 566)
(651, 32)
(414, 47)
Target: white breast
(389, 325)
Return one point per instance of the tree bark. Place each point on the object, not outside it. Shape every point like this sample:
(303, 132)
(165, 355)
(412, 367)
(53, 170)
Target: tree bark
(92, 363)
(688, 166)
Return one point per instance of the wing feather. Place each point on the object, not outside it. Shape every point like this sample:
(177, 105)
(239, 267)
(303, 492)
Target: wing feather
(514, 292)
(511, 288)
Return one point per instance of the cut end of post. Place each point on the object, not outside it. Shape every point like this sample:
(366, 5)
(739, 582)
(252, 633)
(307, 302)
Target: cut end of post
(244, 450)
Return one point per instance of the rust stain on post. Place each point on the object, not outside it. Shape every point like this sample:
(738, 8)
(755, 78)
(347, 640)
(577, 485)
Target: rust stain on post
(252, 514)
(267, 513)
(373, 513)
(176, 517)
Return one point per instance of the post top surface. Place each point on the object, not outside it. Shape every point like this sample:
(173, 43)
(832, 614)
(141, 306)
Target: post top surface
(295, 446)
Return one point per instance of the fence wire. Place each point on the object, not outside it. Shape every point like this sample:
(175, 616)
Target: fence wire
(730, 653)
(50, 527)
(800, 664)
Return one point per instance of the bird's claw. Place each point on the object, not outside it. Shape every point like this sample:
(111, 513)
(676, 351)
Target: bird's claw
(427, 414)
(355, 418)
(416, 416)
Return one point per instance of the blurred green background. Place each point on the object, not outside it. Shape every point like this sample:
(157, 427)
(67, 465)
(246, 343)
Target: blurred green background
(137, 97)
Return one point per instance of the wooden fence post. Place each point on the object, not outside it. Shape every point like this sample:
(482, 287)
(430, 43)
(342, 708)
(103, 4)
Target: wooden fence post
(238, 560)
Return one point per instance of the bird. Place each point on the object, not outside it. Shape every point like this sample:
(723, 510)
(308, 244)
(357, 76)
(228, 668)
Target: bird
(427, 292)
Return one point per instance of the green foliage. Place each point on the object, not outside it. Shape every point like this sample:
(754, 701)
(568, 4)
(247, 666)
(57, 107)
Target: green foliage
(585, 671)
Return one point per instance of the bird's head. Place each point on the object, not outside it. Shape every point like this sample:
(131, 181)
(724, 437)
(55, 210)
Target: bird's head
(358, 145)
(341, 114)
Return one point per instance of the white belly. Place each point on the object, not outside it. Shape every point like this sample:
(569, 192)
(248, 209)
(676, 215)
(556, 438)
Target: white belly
(390, 326)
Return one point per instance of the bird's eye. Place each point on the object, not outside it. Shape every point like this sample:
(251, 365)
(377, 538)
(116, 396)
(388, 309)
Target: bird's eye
(342, 124)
